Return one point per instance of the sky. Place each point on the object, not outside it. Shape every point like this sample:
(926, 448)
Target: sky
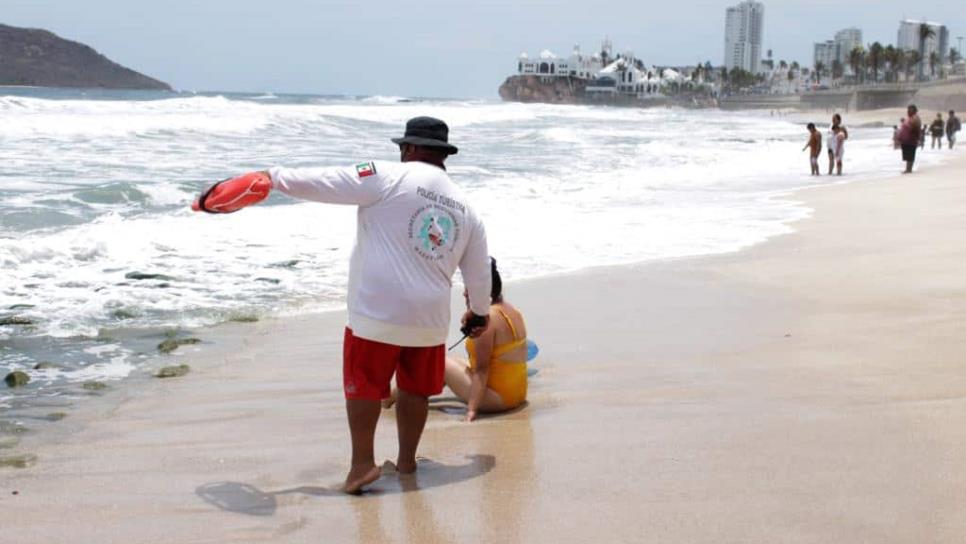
(429, 48)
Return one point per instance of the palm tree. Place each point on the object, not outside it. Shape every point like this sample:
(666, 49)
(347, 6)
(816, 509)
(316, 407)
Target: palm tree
(925, 32)
(912, 59)
(874, 59)
(819, 68)
(933, 61)
(837, 70)
(954, 55)
(856, 56)
(893, 57)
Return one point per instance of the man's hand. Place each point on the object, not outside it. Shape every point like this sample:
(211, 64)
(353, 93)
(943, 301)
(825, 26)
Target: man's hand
(477, 329)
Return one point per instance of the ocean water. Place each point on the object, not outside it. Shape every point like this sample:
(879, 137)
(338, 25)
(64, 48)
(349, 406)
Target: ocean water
(100, 251)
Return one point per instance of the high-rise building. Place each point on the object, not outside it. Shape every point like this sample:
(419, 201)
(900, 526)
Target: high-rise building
(910, 34)
(744, 28)
(825, 54)
(845, 41)
(829, 51)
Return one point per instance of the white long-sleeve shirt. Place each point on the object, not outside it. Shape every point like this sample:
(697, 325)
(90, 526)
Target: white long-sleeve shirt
(414, 228)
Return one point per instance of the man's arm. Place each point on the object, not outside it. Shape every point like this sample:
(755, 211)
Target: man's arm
(475, 268)
(360, 185)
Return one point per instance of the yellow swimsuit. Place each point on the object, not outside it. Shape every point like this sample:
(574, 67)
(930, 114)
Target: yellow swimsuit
(507, 378)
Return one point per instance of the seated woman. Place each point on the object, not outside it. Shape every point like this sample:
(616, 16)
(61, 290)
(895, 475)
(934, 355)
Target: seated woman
(495, 378)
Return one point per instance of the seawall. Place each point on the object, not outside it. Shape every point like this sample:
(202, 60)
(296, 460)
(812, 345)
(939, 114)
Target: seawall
(939, 95)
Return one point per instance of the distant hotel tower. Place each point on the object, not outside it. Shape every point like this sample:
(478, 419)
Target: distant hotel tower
(744, 26)
(909, 35)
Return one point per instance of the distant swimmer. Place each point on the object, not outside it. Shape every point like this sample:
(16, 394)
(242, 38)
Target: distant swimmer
(909, 135)
(415, 228)
(952, 127)
(814, 145)
(936, 130)
(837, 134)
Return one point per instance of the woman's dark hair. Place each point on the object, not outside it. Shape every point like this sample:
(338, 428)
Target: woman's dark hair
(496, 289)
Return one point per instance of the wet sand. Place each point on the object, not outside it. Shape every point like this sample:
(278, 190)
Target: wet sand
(809, 389)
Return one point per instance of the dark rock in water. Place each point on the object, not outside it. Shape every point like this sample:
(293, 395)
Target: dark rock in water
(168, 345)
(30, 56)
(122, 313)
(9, 427)
(44, 365)
(285, 264)
(173, 371)
(172, 344)
(17, 378)
(269, 280)
(21, 307)
(94, 386)
(56, 416)
(16, 320)
(146, 276)
(18, 461)
(243, 318)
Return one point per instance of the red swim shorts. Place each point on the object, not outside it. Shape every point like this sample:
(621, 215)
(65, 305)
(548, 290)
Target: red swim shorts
(368, 366)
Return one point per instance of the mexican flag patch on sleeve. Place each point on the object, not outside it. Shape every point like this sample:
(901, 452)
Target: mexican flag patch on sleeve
(365, 169)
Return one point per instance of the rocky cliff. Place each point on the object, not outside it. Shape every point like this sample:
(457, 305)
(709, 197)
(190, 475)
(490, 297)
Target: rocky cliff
(38, 57)
(557, 90)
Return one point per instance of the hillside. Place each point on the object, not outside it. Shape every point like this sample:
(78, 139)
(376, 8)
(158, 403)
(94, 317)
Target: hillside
(40, 58)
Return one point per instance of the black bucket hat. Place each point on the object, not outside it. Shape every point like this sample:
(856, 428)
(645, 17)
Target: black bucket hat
(427, 132)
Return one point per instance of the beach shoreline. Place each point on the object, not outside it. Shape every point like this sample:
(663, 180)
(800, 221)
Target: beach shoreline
(750, 396)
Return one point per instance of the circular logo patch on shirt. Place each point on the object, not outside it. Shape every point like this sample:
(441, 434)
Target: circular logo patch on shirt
(434, 231)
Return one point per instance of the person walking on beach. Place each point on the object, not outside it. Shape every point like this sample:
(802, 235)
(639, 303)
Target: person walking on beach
(814, 145)
(910, 134)
(415, 228)
(837, 135)
(936, 129)
(952, 127)
(922, 134)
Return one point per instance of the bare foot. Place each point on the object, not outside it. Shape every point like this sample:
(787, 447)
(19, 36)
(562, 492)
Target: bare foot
(408, 467)
(357, 479)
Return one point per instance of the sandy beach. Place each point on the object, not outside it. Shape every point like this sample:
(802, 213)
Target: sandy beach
(808, 389)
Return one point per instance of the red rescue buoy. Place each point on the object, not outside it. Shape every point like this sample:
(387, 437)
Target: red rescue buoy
(231, 195)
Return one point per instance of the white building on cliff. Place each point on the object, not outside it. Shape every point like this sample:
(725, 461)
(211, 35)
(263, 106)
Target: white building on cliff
(607, 75)
(547, 64)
